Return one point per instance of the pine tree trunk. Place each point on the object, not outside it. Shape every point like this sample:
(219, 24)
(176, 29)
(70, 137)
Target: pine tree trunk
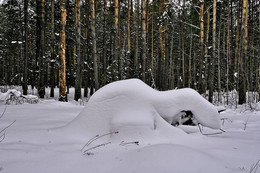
(258, 53)
(25, 70)
(62, 53)
(228, 58)
(41, 88)
(52, 50)
(219, 66)
(94, 46)
(244, 57)
(116, 58)
(78, 53)
(128, 38)
(136, 62)
(201, 20)
(212, 70)
(144, 45)
(87, 71)
(105, 44)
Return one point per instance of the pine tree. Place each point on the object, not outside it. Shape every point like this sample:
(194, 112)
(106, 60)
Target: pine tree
(62, 53)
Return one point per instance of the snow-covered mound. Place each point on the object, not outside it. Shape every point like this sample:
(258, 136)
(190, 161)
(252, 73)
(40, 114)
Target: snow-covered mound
(137, 111)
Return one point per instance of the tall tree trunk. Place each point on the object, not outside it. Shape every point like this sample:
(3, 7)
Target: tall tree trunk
(237, 37)
(105, 44)
(136, 62)
(228, 58)
(128, 38)
(144, 45)
(94, 44)
(116, 58)
(62, 53)
(152, 48)
(41, 87)
(218, 61)
(211, 82)
(25, 70)
(190, 58)
(162, 41)
(78, 81)
(244, 57)
(52, 50)
(87, 70)
(201, 20)
(258, 53)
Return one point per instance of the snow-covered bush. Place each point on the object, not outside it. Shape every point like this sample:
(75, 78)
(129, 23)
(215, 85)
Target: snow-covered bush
(137, 111)
(14, 96)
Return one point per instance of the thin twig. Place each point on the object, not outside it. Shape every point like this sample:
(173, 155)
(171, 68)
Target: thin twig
(222, 130)
(95, 138)
(7, 126)
(92, 148)
(123, 143)
(89, 141)
(254, 167)
(200, 128)
(245, 124)
(223, 120)
(3, 112)
(2, 137)
(207, 134)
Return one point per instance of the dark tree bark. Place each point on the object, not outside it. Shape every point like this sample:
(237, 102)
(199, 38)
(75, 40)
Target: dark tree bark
(25, 70)
(41, 85)
(94, 46)
(53, 59)
(78, 53)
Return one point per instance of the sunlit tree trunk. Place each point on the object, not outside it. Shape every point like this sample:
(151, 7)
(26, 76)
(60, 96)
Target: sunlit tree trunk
(116, 24)
(62, 48)
(244, 57)
(201, 20)
(211, 84)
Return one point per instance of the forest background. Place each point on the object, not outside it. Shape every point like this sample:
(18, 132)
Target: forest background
(212, 46)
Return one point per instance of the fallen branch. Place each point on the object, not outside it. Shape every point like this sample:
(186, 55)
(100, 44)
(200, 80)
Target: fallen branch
(92, 148)
(7, 126)
(207, 134)
(2, 137)
(3, 112)
(123, 143)
(245, 124)
(254, 167)
(95, 138)
(227, 119)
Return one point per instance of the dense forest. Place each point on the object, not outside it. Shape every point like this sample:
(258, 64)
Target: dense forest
(212, 46)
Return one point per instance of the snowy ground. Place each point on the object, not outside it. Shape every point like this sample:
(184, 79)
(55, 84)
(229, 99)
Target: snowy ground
(29, 146)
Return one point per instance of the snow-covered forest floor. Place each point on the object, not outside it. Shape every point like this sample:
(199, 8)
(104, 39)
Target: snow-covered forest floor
(29, 148)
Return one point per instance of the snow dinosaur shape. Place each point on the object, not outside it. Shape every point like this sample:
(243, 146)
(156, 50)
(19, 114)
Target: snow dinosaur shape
(132, 107)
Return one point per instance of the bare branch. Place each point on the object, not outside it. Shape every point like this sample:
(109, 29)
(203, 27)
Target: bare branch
(7, 126)
(95, 138)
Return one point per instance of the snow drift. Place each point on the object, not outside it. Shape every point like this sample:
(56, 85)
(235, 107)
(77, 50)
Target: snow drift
(137, 111)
